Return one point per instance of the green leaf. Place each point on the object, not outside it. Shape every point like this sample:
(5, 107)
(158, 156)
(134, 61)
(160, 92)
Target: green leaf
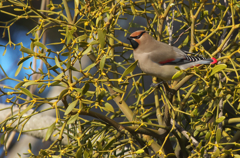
(42, 89)
(44, 153)
(199, 145)
(55, 83)
(86, 51)
(177, 75)
(27, 92)
(68, 63)
(58, 76)
(83, 44)
(2, 138)
(78, 90)
(73, 68)
(106, 9)
(185, 42)
(101, 37)
(19, 85)
(70, 107)
(30, 82)
(99, 146)
(218, 68)
(86, 154)
(79, 152)
(85, 88)
(53, 67)
(218, 135)
(195, 133)
(102, 62)
(196, 97)
(82, 37)
(23, 59)
(101, 95)
(129, 69)
(26, 50)
(85, 101)
(221, 7)
(62, 94)
(50, 131)
(89, 66)
(18, 69)
(40, 45)
(109, 144)
(27, 109)
(75, 78)
(220, 119)
(93, 42)
(140, 151)
(89, 144)
(207, 136)
(40, 84)
(72, 119)
(216, 153)
(108, 107)
(18, 9)
(205, 13)
(57, 62)
(194, 113)
(209, 114)
(65, 54)
(118, 90)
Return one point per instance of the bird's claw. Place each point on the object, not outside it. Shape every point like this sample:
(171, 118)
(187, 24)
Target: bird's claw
(169, 90)
(154, 85)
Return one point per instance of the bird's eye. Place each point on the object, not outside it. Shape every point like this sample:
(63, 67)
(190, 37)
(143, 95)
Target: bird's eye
(138, 36)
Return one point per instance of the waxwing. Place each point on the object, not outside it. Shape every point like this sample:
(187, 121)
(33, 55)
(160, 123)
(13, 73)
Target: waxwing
(160, 59)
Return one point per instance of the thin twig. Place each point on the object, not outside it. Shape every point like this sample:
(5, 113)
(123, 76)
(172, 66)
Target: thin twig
(185, 133)
(184, 32)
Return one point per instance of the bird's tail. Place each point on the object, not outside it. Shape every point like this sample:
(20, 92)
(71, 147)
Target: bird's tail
(199, 62)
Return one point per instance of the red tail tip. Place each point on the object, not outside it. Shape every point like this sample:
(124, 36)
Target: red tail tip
(214, 60)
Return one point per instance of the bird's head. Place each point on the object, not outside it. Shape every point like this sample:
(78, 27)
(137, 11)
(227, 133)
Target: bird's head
(135, 38)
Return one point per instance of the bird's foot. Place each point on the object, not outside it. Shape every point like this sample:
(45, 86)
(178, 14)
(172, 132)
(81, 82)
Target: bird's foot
(154, 85)
(169, 90)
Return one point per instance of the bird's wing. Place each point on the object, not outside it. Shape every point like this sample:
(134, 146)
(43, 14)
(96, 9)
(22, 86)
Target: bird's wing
(182, 60)
(180, 57)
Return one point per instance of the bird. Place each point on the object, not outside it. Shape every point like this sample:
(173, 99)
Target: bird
(159, 59)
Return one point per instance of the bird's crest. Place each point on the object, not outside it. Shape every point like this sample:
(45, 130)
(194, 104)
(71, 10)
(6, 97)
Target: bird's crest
(137, 33)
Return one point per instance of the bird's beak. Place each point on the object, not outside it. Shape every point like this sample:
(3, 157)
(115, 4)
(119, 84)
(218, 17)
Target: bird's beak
(133, 42)
(129, 38)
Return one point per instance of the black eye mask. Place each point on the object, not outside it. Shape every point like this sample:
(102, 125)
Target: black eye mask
(133, 42)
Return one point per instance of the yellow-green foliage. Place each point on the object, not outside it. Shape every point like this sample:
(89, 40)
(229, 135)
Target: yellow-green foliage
(200, 120)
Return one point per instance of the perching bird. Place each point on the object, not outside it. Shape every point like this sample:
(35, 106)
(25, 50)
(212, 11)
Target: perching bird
(160, 59)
